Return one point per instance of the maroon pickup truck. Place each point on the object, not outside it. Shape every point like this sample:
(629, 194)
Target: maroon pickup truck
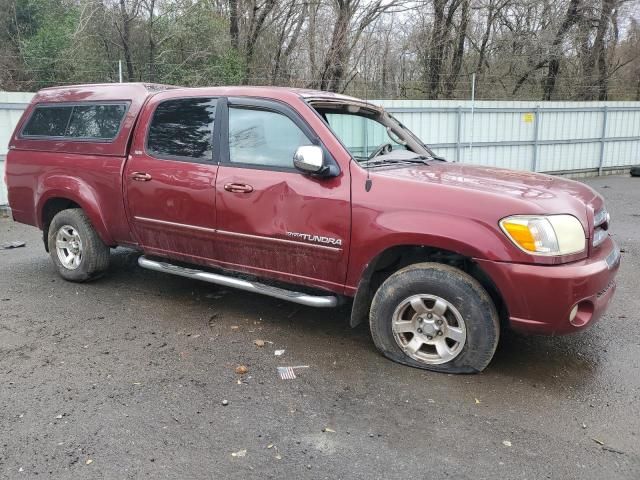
(315, 198)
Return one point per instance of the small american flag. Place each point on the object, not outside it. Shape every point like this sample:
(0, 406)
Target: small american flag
(288, 373)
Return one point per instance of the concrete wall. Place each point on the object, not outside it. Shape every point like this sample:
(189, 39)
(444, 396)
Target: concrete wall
(11, 106)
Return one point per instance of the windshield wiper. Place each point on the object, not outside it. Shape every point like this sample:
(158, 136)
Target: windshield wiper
(422, 159)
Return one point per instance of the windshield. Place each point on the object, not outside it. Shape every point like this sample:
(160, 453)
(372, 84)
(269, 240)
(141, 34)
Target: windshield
(370, 134)
(361, 135)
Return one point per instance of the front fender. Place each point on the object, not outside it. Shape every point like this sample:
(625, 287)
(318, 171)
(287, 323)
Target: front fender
(464, 236)
(74, 189)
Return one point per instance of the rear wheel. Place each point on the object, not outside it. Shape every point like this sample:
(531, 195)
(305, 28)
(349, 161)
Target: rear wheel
(75, 247)
(435, 317)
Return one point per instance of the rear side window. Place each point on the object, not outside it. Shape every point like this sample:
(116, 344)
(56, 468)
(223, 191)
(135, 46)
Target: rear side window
(183, 129)
(76, 122)
(48, 122)
(95, 121)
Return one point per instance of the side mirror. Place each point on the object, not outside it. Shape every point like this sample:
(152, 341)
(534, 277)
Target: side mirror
(309, 159)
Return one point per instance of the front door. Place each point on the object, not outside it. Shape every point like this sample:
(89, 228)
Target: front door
(273, 220)
(170, 179)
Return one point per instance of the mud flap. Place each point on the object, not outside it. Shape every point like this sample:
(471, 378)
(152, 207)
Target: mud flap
(361, 305)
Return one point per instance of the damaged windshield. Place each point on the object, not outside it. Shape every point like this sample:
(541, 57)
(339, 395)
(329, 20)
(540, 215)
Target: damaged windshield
(372, 136)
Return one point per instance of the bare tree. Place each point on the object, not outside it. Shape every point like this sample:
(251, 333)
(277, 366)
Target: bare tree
(351, 19)
(259, 14)
(129, 10)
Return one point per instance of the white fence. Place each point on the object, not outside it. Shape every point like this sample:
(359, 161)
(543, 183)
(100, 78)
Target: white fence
(542, 137)
(545, 137)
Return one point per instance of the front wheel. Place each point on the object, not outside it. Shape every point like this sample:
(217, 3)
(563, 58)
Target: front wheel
(75, 247)
(436, 317)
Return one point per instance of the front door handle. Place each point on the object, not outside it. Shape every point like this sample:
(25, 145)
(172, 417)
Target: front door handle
(238, 188)
(140, 176)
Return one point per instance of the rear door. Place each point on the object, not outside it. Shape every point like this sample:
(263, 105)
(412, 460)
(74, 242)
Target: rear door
(273, 220)
(170, 178)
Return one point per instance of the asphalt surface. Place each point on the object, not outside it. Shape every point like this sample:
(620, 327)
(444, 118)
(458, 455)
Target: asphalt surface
(125, 378)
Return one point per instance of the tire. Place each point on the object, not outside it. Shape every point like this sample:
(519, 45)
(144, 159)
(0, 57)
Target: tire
(86, 257)
(415, 297)
(635, 171)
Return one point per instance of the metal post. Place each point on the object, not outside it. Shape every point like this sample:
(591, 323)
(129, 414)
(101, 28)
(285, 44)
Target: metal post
(120, 70)
(473, 99)
(536, 126)
(458, 131)
(603, 138)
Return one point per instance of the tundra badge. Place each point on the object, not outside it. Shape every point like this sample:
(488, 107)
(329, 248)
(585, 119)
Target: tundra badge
(315, 238)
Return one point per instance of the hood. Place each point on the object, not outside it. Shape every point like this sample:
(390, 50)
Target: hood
(513, 183)
(545, 194)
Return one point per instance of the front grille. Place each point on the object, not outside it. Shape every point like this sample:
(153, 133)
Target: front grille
(601, 217)
(599, 236)
(601, 220)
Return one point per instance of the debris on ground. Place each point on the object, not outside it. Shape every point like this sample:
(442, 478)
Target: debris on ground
(506, 443)
(328, 430)
(288, 373)
(241, 369)
(477, 401)
(259, 343)
(89, 461)
(239, 453)
(611, 449)
(278, 353)
(225, 403)
(14, 244)
(599, 442)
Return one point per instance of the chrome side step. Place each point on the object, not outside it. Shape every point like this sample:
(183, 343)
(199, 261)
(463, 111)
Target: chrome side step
(291, 296)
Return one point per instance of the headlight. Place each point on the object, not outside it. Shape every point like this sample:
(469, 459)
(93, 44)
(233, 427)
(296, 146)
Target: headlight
(545, 235)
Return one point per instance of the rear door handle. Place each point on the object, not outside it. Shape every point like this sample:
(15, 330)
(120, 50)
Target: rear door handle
(140, 176)
(238, 188)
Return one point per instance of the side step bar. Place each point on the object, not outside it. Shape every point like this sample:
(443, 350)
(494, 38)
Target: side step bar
(289, 295)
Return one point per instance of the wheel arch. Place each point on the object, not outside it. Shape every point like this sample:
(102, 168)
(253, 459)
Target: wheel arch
(56, 200)
(395, 257)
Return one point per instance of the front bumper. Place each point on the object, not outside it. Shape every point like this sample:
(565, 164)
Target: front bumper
(540, 298)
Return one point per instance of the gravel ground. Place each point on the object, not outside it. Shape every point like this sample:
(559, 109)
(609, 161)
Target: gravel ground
(125, 378)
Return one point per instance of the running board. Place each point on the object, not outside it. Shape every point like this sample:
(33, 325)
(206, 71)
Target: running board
(281, 293)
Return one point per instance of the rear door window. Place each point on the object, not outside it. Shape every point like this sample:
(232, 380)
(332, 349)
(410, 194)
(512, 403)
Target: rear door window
(182, 129)
(76, 122)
